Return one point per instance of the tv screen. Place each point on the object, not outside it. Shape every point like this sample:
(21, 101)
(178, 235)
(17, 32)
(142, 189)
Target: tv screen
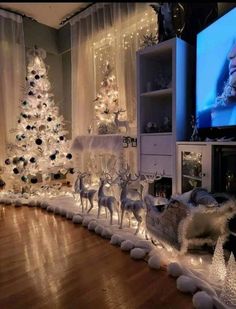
(216, 74)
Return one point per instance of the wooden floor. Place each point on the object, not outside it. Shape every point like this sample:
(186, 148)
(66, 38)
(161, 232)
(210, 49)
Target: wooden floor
(47, 261)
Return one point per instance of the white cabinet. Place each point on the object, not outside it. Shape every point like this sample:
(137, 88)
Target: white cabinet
(163, 105)
(194, 166)
(211, 165)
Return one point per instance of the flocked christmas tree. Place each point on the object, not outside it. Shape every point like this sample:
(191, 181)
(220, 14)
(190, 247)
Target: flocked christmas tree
(40, 149)
(217, 268)
(228, 294)
(106, 103)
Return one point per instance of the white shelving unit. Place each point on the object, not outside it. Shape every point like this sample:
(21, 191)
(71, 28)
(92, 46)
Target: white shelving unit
(163, 92)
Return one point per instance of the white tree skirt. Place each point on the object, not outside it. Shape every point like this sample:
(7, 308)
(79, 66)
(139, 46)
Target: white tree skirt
(190, 270)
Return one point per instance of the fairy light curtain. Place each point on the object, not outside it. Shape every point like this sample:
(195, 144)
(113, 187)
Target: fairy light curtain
(12, 68)
(110, 32)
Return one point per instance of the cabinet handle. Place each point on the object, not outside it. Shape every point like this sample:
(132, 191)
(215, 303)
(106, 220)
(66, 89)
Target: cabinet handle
(203, 174)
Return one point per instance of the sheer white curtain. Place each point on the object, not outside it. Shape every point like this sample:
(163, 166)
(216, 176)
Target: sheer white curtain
(12, 69)
(106, 32)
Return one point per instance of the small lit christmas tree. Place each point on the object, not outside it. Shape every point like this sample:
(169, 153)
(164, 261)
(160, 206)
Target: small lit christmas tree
(217, 268)
(41, 149)
(106, 103)
(228, 294)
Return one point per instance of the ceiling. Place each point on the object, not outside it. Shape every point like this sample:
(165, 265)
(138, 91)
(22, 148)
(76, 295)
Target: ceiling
(50, 13)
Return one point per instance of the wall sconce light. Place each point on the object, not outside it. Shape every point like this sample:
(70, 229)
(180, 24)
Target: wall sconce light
(129, 141)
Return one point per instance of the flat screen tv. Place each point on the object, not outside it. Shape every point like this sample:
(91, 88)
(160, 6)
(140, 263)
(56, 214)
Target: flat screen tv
(216, 74)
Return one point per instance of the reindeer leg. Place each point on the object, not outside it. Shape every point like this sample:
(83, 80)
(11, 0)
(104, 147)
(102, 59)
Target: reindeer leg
(122, 217)
(82, 204)
(99, 209)
(139, 219)
(111, 216)
(91, 205)
(118, 212)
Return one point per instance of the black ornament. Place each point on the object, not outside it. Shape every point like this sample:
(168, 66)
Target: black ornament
(37, 76)
(44, 104)
(15, 170)
(24, 178)
(18, 121)
(49, 119)
(7, 161)
(42, 76)
(22, 159)
(61, 138)
(2, 183)
(39, 96)
(15, 160)
(24, 116)
(30, 93)
(38, 141)
(26, 78)
(33, 72)
(32, 160)
(71, 171)
(34, 180)
(24, 103)
(57, 176)
(69, 156)
(28, 127)
(32, 84)
(52, 157)
(23, 136)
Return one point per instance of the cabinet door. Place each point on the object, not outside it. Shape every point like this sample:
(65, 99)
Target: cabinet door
(153, 164)
(161, 145)
(193, 167)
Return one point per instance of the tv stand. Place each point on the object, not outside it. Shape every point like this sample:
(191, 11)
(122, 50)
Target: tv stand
(211, 165)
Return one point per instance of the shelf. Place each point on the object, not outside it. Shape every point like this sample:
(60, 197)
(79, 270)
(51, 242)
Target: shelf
(156, 134)
(157, 93)
(192, 177)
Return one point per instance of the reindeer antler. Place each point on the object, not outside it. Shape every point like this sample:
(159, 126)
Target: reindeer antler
(150, 178)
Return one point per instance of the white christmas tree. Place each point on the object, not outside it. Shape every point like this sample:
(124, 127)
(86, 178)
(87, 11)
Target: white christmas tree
(41, 149)
(106, 103)
(228, 294)
(217, 269)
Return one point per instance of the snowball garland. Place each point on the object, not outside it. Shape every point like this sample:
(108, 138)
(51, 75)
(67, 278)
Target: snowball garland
(174, 269)
(69, 215)
(116, 239)
(201, 300)
(127, 245)
(92, 225)
(57, 211)
(144, 244)
(86, 221)
(154, 262)
(98, 229)
(186, 284)
(106, 233)
(63, 212)
(137, 253)
(77, 219)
